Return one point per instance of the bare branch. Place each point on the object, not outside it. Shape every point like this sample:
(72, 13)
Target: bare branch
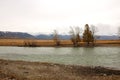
(56, 38)
(94, 30)
(119, 32)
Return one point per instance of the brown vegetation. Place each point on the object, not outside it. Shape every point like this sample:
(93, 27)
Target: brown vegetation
(51, 43)
(21, 70)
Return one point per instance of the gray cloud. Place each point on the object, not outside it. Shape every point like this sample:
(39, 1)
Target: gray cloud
(46, 15)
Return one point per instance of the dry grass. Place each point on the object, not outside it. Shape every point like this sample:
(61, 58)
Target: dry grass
(20, 70)
(21, 42)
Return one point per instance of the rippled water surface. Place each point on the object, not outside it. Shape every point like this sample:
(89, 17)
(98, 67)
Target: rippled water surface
(97, 56)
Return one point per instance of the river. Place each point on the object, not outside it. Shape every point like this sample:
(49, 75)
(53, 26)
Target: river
(97, 56)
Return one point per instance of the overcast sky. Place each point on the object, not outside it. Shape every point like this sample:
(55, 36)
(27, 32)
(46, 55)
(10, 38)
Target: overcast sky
(46, 15)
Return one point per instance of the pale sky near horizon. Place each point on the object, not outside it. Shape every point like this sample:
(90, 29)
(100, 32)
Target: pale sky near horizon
(46, 15)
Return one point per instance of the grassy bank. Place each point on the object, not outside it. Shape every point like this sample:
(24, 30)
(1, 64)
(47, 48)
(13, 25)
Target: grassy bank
(21, 70)
(47, 43)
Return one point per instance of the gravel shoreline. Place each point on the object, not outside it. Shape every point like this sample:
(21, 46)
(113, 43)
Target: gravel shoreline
(23, 70)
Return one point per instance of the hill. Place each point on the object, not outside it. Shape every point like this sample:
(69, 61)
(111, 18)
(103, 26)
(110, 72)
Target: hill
(21, 35)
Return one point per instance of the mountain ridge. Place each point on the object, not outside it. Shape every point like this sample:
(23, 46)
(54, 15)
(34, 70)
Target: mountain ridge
(24, 35)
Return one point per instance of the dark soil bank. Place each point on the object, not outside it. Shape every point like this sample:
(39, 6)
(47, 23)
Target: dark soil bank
(21, 70)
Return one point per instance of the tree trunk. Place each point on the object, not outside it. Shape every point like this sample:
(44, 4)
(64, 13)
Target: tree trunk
(88, 43)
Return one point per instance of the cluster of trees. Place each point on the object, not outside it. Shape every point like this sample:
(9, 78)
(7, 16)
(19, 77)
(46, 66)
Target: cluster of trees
(88, 35)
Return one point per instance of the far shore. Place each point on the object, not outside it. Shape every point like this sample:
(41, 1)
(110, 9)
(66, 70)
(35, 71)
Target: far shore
(51, 43)
(23, 70)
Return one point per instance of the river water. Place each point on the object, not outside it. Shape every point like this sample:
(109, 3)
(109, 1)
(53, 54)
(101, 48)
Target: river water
(97, 56)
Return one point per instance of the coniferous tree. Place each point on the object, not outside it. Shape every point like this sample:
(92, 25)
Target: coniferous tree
(87, 35)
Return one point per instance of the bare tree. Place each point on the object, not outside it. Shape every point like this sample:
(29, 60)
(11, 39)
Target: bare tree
(78, 31)
(94, 30)
(119, 32)
(56, 38)
(75, 36)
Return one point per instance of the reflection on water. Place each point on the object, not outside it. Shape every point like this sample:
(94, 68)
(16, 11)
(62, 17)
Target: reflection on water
(98, 56)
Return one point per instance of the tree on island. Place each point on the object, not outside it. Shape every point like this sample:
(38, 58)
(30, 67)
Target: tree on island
(56, 38)
(119, 33)
(87, 35)
(94, 30)
(75, 36)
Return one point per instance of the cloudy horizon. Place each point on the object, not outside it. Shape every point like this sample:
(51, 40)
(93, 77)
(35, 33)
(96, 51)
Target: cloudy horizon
(43, 16)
